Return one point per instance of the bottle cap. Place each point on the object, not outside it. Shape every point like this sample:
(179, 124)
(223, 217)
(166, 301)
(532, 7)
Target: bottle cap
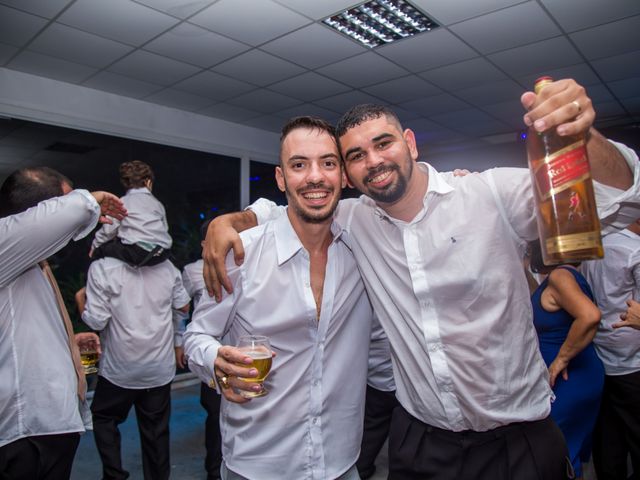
(540, 83)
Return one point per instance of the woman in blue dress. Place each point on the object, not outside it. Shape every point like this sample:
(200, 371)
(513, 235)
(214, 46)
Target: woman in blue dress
(566, 319)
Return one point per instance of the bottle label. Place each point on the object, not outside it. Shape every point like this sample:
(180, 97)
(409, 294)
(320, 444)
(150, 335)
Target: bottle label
(562, 170)
(572, 242)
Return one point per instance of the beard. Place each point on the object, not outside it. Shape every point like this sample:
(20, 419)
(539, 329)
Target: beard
(390, 193)
(310, 214)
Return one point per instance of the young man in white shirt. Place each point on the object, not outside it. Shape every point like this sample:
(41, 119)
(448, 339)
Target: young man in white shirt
(300, 287)
(42, 398)
(453, 301)
(615, 280)
(132, 307)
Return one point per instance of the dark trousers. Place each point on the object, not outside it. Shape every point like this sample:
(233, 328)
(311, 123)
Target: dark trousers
(42, 457)
(210, 401)
(617, 432)
(522, 451)
(378, 408)
(110, 407)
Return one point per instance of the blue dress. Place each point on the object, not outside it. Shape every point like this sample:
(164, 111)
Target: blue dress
(578, 399)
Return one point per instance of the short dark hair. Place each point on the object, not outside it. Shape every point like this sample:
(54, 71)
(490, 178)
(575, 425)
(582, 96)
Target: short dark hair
(310, 122)
(135, 174)
(27, 187)
(362, 113)
(203, 229)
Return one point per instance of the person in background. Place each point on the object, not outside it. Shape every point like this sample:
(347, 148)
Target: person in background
(379, 403)
(142, 238)
(615, 280)
(566, 319)
(630, 318)
(209, 397)
(132, 307)
(454, 304)
(43, 408)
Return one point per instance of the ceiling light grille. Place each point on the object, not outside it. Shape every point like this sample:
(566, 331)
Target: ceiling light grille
(379, 22)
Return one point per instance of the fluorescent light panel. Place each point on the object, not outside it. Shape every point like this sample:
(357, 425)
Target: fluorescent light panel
(379, 22)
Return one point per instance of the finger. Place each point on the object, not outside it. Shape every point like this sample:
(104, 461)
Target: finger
(211, 281)
(620, 324)
(238, 251)
(527, 99)
(234, 397)
(565, 375)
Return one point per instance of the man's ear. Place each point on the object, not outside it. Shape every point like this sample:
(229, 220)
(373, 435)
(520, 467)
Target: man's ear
(410, 138)
(280, 179)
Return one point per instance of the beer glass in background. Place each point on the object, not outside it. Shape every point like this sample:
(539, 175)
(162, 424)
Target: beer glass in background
(89, 360)
(259, 349)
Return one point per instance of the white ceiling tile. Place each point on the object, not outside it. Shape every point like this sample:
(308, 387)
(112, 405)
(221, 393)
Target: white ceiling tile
(307, 109)
(48, 8)
(464, 74)
(618, 66)
(179, 99)
(403, 89)
(264, 101)
(511, 112)
(606, 110)
(448, 11)
(32, 62)
(536, 58)
(266, 122)
(314, 46)
(404, 114)
(365, 69)
(632, 104)
(121, 85)
(581, 73)
(78, 46)
(6, 52)
(629, 87)
(177, 8)
(119, 20)
(229, 112)
(427, 50)
(153, 68)
(319, 10)
(343, 102)
(420, 127)
(507, 28)
(491, 92)
(192, 44)
(249, 21)
(436, 104)
(17, 28)
(212, 85)
(258, 67)
(600, 93)
(471, 122)
(610, 39)
(574, 15)
(309, 86)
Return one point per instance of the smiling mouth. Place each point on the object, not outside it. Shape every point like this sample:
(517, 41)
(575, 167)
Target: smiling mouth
(381, 177)
(315, 195)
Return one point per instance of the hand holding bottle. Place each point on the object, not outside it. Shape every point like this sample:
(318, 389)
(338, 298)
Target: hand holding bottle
(563, 104)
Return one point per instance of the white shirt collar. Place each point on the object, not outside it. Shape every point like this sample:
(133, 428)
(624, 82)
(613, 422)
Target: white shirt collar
(287, 242)
(138, 190)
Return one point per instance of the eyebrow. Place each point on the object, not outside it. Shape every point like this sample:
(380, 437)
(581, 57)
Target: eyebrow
(382, 136)
(303, 157)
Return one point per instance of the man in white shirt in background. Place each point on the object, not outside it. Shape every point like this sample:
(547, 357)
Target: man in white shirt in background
(300, 287)
(209, 398)
(615, 280)
(452, 298)
(42, 398)
(133, 310)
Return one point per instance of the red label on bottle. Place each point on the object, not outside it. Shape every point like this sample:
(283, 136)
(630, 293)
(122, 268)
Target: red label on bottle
(562, 170)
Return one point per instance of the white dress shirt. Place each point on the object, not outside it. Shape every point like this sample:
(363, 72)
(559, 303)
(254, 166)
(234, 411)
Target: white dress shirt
(614, 280)
(133, 309)
(309, 426)
(38, 382)
(145, 225)
(193, 280)
(449, 290)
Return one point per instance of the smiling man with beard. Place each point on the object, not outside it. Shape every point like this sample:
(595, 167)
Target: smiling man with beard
(300, 287)
(441, 259)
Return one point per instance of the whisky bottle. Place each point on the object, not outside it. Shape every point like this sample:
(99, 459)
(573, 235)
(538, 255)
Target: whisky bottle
(568, 224)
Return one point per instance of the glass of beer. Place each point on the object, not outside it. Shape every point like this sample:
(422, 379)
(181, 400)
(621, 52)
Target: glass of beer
(89, 360)
(259, 349)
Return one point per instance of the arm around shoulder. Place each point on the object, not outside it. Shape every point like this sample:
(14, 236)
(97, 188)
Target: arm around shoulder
(612, 164)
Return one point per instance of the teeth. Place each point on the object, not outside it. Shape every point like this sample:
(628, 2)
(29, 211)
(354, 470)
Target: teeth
(314, 195)
(380, 178)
